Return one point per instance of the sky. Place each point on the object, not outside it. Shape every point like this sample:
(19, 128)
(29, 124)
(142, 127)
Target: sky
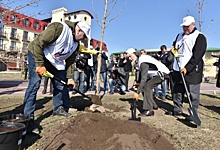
(144, 24)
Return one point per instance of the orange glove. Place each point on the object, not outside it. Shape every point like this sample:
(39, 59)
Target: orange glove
(71, 81)
(136, 96)
(184, 71)
(40, 70)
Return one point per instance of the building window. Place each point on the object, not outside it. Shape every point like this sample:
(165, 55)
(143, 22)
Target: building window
(45, 26)
(36, 25)
(25, 36)
(1, 44)
(35, 35)
(25, 46)
(13, 46)
(75, 16)
(25, 22)
(85, 18)
(13, 32)
(69, 17)
(13, 18)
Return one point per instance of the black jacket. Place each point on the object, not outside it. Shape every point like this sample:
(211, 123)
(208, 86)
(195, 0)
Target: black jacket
(127, 65)
(103, 62)
(118, 74)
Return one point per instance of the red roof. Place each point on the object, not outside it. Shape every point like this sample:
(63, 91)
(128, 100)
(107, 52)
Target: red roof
(94, 43)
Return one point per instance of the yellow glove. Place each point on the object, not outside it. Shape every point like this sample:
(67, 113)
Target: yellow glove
(71, 81)
(136, 96)
(87, 50)
(174, 51)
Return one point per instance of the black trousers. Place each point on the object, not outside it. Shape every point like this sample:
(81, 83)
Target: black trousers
(126, 79)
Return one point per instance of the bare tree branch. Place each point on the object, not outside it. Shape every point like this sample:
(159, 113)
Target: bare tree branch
(212, 22)
(115, 2)
(116, 14)
(96, 15)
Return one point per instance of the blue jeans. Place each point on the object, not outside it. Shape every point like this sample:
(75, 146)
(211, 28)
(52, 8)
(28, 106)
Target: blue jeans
(79, 78)
(104, 77)
(93, 79)
(163, 89)
(60, 93)
(113, 83)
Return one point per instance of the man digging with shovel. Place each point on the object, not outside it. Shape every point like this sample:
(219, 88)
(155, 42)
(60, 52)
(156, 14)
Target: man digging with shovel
(189, 49)
(54, 50)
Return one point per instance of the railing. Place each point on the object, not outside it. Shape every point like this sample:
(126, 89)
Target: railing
(4, 34)
(26, 39)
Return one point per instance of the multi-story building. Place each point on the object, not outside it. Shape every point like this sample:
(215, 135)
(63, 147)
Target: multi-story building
(19, 30)
(61, 14)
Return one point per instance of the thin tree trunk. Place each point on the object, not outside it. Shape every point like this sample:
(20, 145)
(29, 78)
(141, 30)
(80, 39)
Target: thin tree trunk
(99, 56)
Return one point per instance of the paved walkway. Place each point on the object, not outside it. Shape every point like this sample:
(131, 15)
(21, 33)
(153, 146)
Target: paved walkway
(18, 87)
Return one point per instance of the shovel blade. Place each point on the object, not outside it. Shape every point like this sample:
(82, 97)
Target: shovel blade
(194, 115)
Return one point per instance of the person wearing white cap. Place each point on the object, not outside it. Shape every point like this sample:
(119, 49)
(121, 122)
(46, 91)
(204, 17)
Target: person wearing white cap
(153, 72)
(54, 50)
(191, 46)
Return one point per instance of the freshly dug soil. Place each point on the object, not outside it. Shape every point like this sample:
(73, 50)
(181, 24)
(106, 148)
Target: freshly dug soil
(91, 131)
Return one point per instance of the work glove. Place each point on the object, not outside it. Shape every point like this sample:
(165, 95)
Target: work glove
(136, 96)
(87, 50)
(174, 51)
(71, 82)
(184, 71)
(40, 70)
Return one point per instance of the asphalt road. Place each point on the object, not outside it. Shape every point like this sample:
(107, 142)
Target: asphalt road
(18, 87)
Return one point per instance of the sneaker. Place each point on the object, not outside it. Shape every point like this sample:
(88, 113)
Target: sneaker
(111, 93)
(32, 129)
(44, 92)
(163, 99)
(62, 112)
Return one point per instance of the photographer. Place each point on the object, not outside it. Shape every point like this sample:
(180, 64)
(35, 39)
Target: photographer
(217, 64)
(81, 64)
(116, 77)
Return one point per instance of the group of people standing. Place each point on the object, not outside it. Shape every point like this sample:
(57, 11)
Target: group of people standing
(185, 58)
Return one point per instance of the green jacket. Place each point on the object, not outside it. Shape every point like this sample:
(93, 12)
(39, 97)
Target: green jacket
(47, 37)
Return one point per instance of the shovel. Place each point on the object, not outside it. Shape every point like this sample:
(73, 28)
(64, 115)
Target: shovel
(133, 111)
(192, 111)
(95, 99)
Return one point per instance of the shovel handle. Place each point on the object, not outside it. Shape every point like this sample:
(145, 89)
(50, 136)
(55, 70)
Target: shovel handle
(184, 82)
(77, 91)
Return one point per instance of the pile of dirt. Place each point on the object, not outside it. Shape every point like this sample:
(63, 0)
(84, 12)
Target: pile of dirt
(99, 132)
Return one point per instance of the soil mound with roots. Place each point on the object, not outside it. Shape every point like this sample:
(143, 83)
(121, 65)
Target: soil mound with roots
(92, 131)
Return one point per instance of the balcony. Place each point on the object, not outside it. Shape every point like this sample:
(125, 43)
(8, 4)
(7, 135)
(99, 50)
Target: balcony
(4, 35)
(26, 39)
(14, 36)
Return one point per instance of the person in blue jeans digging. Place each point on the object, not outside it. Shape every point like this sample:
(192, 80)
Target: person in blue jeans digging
(54, 50)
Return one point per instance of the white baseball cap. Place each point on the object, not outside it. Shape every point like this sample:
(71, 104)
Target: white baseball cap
(130, 51)
(85, 28)
(188, 20)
